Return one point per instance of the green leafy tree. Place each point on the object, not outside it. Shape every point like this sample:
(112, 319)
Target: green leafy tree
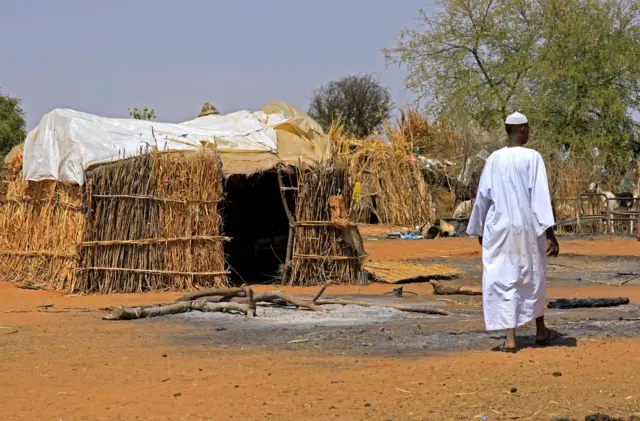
(143, 114)
(359, 102)
(573, 66)
(12, 124)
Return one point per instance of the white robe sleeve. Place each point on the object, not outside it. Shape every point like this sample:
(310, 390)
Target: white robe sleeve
(540, 198)
(475, 228)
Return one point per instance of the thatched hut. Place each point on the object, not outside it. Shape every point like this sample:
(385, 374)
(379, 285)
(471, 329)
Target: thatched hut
(99, 205)
(392, 189)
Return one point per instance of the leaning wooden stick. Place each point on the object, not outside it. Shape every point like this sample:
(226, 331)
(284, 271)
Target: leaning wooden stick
(322, 290)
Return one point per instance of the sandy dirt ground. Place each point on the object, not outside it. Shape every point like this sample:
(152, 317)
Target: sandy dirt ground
(62, 362)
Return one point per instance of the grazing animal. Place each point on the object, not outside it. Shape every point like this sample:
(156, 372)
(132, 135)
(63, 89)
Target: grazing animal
(463, 210)
(624, 199)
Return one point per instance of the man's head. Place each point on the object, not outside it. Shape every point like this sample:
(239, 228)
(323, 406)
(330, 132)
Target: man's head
(517, 127)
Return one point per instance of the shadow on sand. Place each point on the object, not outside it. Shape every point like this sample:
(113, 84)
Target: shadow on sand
(529, 341)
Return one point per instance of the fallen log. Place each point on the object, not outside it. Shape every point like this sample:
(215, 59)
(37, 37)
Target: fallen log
(440, 289)
(567, 303)
(132, 313)
(223, 292)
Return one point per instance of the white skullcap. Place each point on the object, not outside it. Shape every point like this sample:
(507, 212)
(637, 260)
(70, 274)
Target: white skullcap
(516, 119)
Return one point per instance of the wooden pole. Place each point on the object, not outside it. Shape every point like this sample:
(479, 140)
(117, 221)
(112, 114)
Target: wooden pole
(292, 223)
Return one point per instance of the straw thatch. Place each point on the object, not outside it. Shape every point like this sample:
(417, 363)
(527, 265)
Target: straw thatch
(392, 185)
(394, 272)
(321, 252)
(40, 226)
(208, 109)
(154, 225)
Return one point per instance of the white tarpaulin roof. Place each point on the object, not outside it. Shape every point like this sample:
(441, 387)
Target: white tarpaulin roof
(67, 142)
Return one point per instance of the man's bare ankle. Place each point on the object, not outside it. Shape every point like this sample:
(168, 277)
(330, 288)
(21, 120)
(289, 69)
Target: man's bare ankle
(542, 333)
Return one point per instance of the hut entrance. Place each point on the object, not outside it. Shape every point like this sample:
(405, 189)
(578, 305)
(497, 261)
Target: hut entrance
(256, 221)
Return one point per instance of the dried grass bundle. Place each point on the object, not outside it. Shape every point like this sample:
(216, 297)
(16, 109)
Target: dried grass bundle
(392, 185)
(40, 226)
(319, 253)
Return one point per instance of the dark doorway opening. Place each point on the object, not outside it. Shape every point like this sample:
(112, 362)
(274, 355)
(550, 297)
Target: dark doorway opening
(255, 219)
(373, 218)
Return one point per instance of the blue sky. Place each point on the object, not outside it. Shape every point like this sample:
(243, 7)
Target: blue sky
(104, 57)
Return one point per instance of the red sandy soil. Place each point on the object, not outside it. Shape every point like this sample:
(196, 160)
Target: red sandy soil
(469, 247)
(74, 366)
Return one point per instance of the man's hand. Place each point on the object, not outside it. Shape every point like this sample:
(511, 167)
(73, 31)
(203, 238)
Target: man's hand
(553, 248)
(480, 241)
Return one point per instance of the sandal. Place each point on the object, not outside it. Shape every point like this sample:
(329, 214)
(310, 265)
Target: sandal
(503, 348)
(552, 335)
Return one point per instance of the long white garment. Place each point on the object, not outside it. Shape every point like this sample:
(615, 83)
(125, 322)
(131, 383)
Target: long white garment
(511, 212)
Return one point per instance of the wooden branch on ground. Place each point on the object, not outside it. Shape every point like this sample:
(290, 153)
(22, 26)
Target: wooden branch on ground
(279, 295)
(440, 289)
(132, 313)
(423, 310)
(244, 300)
(322, 290)
(266, 297)
(223, 292)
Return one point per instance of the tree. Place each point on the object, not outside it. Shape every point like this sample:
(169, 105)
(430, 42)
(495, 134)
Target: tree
(143, 114)
(573, 66)
(359, 102)
(12, 124)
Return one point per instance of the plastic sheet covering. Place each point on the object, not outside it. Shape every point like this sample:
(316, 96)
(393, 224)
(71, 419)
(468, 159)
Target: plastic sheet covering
(66, 142)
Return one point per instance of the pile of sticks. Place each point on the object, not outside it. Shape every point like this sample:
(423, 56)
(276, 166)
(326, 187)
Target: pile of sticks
(244, 301)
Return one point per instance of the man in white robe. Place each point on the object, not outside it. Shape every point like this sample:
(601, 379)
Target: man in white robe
(513, 218)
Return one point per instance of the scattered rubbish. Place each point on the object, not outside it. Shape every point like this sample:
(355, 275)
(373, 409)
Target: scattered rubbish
(402, 390)
(363, 278)
(566, 303)
(392, 235)
(412, 236)
(447, 229)
(397, 292)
